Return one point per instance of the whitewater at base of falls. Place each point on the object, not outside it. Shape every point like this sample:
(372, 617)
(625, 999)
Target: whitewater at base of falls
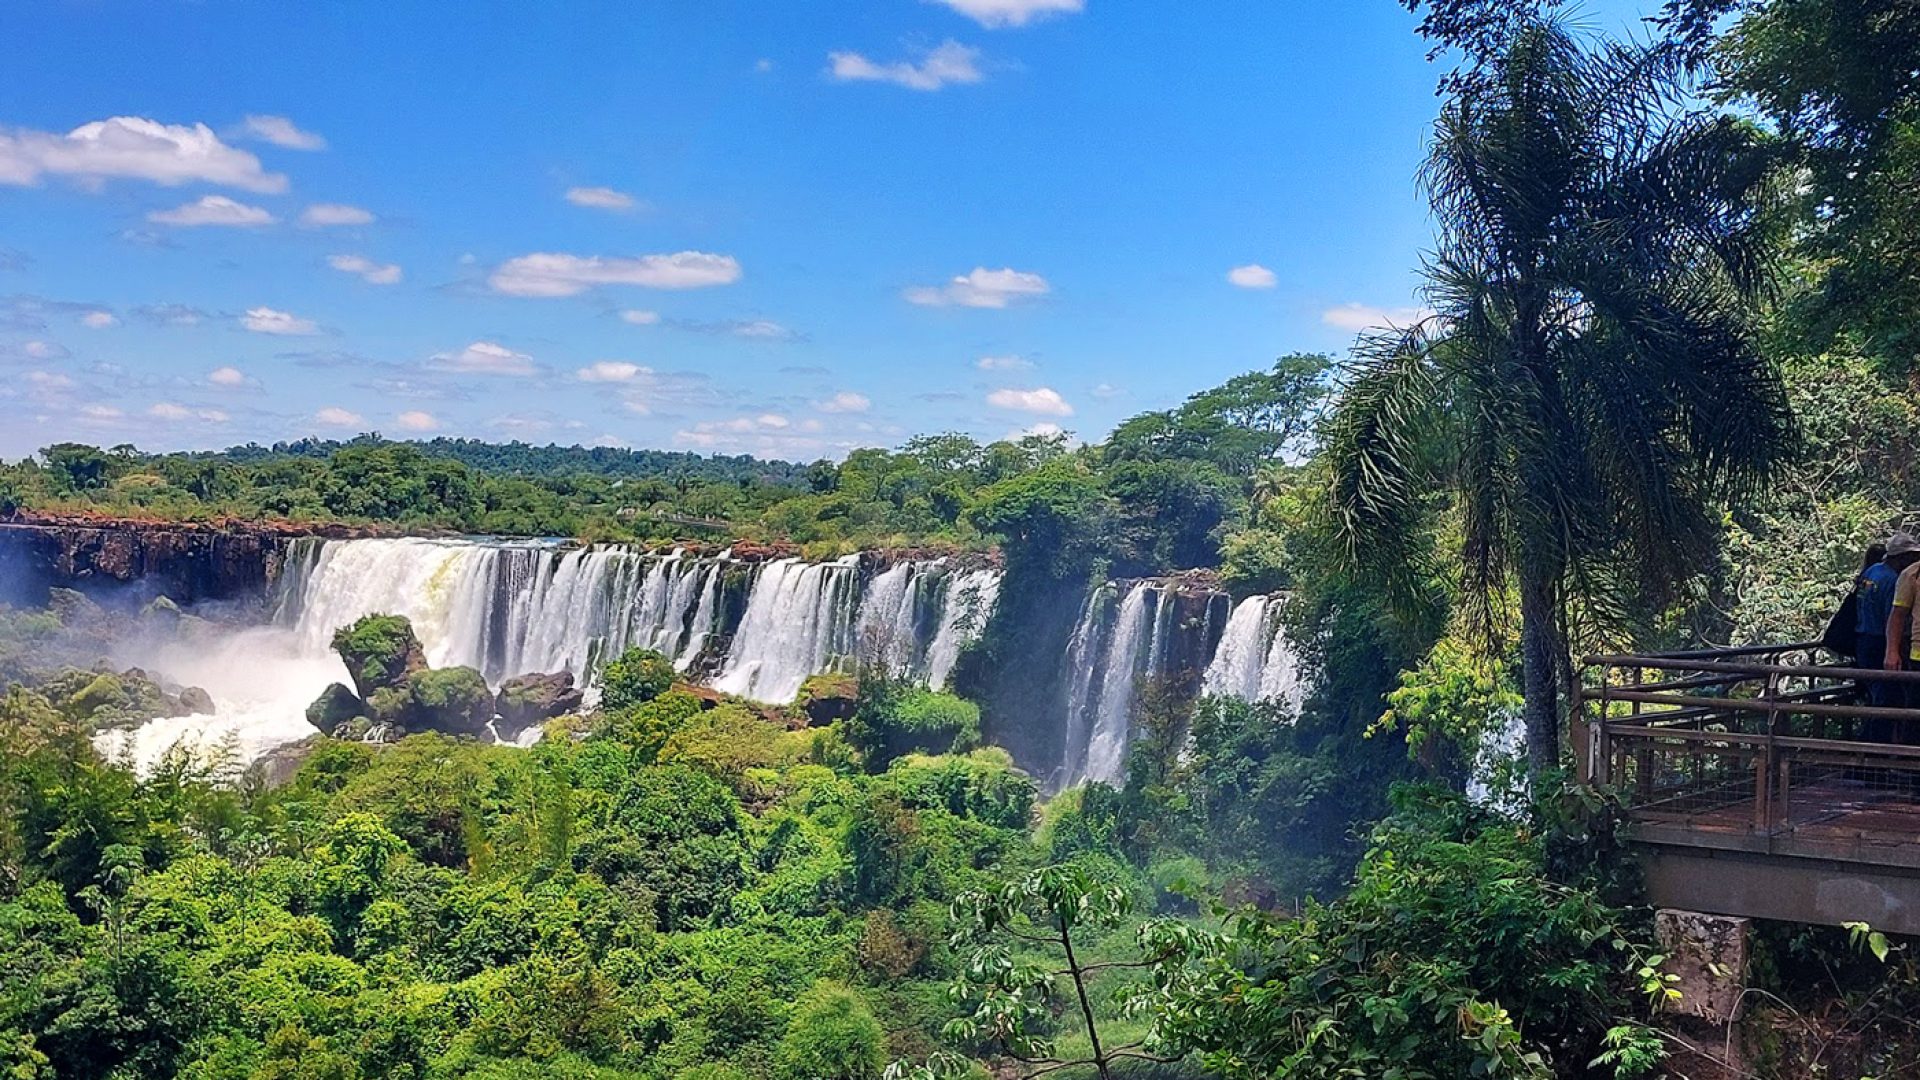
(261, 680)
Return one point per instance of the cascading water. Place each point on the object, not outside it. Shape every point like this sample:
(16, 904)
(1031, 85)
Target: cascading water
(800, 621)
(1255, 660)
(1123, 638)
(513, 607)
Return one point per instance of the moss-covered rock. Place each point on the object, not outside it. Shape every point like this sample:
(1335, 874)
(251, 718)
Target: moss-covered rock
(829, 697)
(525, 700)
(335, 706)
(380, 652)
(109, 699)
(635, 678)
(455, 701)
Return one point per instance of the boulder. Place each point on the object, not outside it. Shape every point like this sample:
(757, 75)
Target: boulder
(335, 706)
(454, 701)
(526, 700)
(161, 609)
(826, 698)
(276, 767)
(381, 652)
(196, 701)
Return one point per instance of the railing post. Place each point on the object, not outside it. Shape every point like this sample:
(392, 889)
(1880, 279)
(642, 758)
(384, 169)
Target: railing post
(1766, 765)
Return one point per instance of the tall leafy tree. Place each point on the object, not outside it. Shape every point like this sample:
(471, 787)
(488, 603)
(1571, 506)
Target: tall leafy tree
(1589, 385)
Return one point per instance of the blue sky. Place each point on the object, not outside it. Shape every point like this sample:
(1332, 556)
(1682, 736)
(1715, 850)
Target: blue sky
(770, 227)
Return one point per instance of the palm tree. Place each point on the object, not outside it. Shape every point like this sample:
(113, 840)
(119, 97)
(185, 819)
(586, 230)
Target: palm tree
(1589, 385)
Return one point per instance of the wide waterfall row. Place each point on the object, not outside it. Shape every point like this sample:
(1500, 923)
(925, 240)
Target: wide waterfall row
(1147, 634)
(759, 629)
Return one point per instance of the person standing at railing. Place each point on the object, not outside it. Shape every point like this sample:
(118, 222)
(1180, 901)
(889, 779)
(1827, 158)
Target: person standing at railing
(1892, 608)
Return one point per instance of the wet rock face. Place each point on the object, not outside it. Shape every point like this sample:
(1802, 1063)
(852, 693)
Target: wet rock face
(526, 700)
(190, 563)
(335, 706)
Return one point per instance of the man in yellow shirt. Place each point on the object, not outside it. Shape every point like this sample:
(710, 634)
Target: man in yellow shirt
(1903, 647)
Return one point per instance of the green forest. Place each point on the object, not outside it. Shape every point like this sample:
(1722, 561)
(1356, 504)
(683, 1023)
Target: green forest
(1664, 398)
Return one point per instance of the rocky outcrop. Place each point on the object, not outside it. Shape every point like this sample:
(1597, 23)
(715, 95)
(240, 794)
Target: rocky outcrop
(335, 706)
(381, 652)
(453, 701)
(189, 562)
(526, 700)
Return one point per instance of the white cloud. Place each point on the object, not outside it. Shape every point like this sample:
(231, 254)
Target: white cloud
(846, 401)
(212, 416)
(1359, 317)
(639, 318)
(950, 62)
(371, 272)
(612, 442)
(44, 350)
(485, 358)
(1003, 363)
(265, 320)
(552, 274)
(167, 410)
(99, 320)
(228, 377)
(1045, 429)
(105, 413)
(1043, 401)
(981, 288)
(281, 132)
(130, 147)
(322, 215)
(334, 416)
(415, 420)
(998, 13)
(610, 371)
(49, 381)
(600, 198)
(1252, 276)
(213, 210)
(1103, 391)
(761, 330)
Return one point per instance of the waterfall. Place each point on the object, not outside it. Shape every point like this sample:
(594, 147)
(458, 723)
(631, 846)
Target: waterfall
(1255, 660)
(799, 622)
(964, 611)
(1124, 636)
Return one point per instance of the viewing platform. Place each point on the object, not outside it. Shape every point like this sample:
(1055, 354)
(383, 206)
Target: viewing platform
(1757, 782)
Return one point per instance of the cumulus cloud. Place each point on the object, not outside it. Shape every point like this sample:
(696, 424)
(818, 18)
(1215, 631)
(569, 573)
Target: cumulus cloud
(133, 148)
(600, 198)
(1003, 363)
(1359, 317)
(846, 401)
(609, 371)
(999, 13)
(174, 413)
(1252, 276)
(948, 63)
(485, 358)
(44, 350)
(982, 288)
(551, 274)
(99, 320)
(1041, 401)
(323, 215)
(228, 377)
(638, 317)
(415, 420)
(213, 210)
(49, 382)
(371, 272)
(334, 416)
(1104, 391)
(281, 132)
(265, 320)
(101, 413)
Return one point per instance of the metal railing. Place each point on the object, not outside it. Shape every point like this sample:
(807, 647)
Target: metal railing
(1754, 747)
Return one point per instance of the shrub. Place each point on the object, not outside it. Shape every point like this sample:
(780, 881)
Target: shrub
(636, 677)
(832, 1036)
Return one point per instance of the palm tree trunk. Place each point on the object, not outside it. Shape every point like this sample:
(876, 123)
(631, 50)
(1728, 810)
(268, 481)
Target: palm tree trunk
(1540, 689)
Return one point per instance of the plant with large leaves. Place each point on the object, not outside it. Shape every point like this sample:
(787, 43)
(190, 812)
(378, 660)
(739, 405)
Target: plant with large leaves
(1589, 385)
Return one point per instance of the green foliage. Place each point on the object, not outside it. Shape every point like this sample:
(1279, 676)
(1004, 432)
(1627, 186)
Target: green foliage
(892, 718)
(1452, 955)
(379, 651)
(635, 677)
(832, 1035)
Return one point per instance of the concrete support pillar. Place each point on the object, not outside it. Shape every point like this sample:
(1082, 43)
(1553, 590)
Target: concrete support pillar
(1709, 953)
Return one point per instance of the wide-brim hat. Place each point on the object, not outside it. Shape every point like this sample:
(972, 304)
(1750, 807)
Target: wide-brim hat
(1902, 544)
